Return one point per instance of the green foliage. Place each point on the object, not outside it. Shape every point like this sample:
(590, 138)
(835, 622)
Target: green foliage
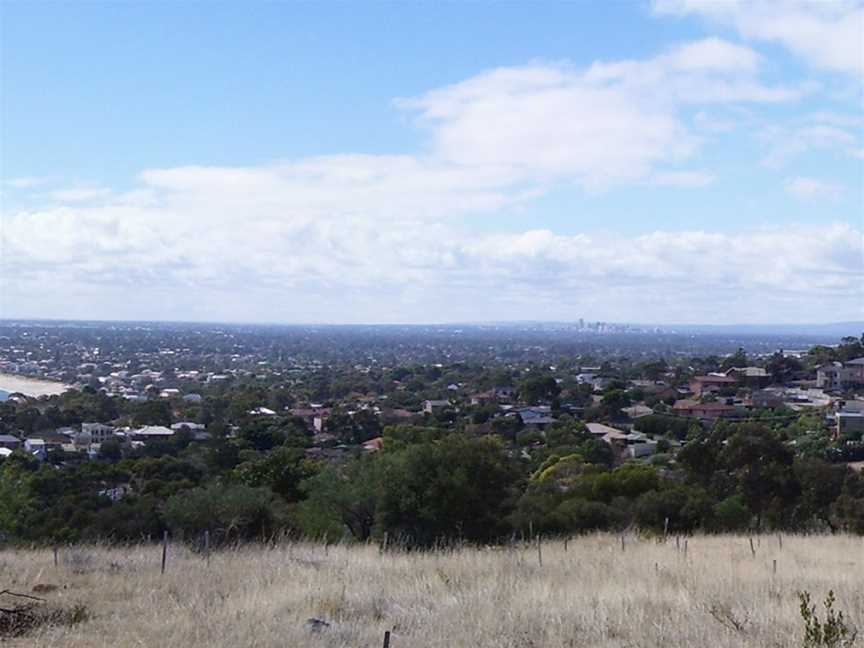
(659, 425)
(732, 514)
(454, 488)
(281, 470)
(832, 632)
(229, 512)
(539, 389)
(152, 412)
(685, 508)
(345, 498)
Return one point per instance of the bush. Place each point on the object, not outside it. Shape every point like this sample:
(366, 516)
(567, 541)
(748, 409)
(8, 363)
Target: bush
(228, 512)
(833, 632)
(732, 514)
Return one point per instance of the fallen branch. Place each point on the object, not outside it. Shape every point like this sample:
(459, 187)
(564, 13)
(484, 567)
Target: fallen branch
(27, 596)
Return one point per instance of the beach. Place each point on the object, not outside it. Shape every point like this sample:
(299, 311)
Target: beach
(35, 387)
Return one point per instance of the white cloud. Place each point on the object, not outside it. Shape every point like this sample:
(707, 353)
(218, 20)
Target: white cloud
(600, 126)
(827, 35)
(79, 194)
(177, 258)
(813, 189)
(682, 179)
(390, 237)
(26, 182)
(819, 132)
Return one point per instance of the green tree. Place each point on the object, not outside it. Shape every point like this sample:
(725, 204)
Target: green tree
(229, 512)
(454, 488)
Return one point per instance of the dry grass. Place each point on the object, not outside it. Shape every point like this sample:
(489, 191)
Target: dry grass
(651, 594)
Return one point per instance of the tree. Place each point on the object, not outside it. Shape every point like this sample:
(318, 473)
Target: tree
(110, 450)
(281, 470)
(229, 512)
(539, 389)
(737, 359)
(454, 488)
(344, 497)
(152, 412)
(732, 514)
(762, 466)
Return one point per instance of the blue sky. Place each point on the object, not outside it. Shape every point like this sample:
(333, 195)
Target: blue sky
(372, 162)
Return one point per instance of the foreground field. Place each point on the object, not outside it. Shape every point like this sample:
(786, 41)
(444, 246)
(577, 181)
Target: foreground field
(591, 593)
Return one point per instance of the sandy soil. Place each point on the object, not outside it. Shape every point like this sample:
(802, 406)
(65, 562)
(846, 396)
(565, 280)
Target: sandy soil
(30, 386)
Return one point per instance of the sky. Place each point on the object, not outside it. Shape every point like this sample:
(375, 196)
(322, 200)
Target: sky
(667, 162)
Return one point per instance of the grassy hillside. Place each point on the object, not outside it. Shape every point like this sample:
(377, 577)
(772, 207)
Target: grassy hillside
(591, 593)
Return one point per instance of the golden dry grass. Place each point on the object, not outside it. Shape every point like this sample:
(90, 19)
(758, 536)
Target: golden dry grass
(593, 594)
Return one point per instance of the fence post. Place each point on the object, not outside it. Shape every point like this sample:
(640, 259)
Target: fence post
(539, 551)
(774, 567)
(164, 549)
(665, 528)
(56, 561)
(780, 540)
(622, 542)
(207, 546)
(566, 542)
(752, 548)
(386, 639)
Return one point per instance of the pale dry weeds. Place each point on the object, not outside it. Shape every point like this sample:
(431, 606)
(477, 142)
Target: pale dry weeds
(593, 594)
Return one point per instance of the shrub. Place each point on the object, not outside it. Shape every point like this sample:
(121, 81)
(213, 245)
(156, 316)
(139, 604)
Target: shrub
(833, 632)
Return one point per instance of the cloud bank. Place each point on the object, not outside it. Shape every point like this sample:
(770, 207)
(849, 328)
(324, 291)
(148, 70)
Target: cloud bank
(351, 238)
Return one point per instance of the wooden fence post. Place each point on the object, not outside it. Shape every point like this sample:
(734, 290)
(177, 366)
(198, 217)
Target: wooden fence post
(780, 540)
(164, 549)
(566, 542)
(622, 542)
(386, 639)
(774, 567)
(56, 560)
(207, 546)
(752, 548)
(539, 551)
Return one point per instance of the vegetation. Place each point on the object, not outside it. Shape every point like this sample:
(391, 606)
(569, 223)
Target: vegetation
(594, 591)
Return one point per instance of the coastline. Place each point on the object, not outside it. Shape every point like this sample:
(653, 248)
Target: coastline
(33, 387)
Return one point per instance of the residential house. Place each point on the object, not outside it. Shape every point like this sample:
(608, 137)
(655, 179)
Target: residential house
(98, 432)
(315, 416)
(763, 399)
(637, 411)
(262, 411)
(710, 384)
(708, 412)
(373, 445)
(431, 406)
(152, 433)
(10, 442)
(612, 436)
(36, 448)
(849, 423)
(753, 377)
(198, 430)
(841, 376)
